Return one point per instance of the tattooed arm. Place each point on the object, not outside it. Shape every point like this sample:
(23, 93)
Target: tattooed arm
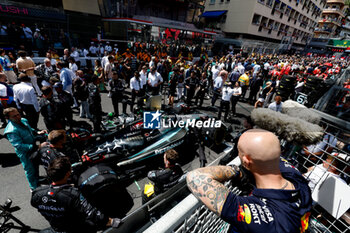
(206, 185)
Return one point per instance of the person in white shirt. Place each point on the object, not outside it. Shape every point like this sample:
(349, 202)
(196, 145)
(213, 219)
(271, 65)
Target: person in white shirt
(85, 52)
(277, 105)
(215, 70)
(26, 100)
(108, 47)
(136, 89)
(27, 32)
(72, 66)
(75, 55)
(154, 81)
(330, 167)
(227, 93)
(108, 68)
(115, 48)
(218, 83)
(256, 70)
(237, 91)
(104, 59)
(152, 62)
(93, 50)
(143, 76)
(240, 68)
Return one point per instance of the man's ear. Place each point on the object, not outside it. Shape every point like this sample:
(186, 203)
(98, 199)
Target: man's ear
(247, 162)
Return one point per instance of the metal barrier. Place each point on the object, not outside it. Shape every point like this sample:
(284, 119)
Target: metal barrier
(191, 216)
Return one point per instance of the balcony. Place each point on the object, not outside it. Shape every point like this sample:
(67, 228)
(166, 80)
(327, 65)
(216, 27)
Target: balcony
(341, 2)
(323, 31)
(330, 21)
(333, 11)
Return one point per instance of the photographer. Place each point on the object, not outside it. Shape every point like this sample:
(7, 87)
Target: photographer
(63, 205)
(281, 200)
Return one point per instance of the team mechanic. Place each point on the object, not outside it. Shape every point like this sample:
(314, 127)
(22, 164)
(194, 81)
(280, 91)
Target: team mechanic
(64, 207)
(281, 200)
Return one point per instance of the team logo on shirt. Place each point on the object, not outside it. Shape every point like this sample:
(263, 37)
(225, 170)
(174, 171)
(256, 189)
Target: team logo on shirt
(305, 222)
(244, 214)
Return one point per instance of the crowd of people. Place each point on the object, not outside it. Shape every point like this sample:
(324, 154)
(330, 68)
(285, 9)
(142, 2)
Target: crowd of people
(58, 86)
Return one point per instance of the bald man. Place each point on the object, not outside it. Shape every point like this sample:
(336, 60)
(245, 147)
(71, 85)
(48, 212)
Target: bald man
(280, 201)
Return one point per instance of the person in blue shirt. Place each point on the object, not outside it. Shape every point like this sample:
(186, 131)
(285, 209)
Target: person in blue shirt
(65, 76)
(22, 138)
(280, 201)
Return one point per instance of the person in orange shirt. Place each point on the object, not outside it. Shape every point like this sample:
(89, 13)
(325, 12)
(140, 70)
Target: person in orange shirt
(128, 54)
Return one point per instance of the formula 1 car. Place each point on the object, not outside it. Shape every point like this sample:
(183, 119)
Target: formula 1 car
(134, 149)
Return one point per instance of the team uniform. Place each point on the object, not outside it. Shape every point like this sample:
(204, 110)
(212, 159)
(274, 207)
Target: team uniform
(271, 210)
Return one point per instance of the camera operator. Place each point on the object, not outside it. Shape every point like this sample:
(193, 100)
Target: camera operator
(280, 201)
(63, 206)
(164, 179)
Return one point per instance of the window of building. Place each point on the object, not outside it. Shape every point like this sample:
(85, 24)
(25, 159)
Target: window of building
(269, 3)
(256, 19)
(212, 2)
(275, 26)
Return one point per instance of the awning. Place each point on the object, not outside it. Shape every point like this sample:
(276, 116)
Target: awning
(213, 14)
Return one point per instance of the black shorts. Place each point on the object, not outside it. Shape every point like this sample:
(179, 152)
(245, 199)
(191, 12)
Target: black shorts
(172, 92)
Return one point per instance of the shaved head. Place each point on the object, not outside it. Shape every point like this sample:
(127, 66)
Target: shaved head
(259, 151)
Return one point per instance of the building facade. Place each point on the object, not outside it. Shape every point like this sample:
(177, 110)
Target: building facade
(332, 19)
(153, 21)
(265, 25)
(59, 24)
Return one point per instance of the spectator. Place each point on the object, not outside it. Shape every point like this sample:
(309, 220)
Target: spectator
(227, 92)
(154, 81)
(72, 65)
(66, 77)
(74, 54)
(117, 88)
(26, 101)
(67, 99)
(8, 67)
(26, 65)
(277, 105)
(81, 93)
(52, 110)
(237, 91)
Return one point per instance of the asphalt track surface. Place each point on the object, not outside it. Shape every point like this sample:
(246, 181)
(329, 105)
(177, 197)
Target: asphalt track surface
(13, 183)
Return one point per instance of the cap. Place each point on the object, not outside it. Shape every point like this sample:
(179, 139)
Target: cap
(57, 84)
